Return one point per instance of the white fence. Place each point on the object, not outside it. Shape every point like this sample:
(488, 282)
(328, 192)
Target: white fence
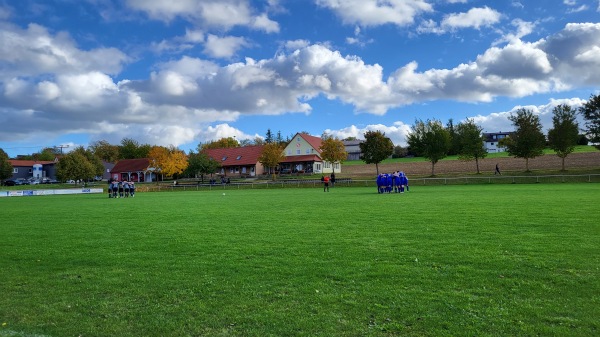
(29, 193)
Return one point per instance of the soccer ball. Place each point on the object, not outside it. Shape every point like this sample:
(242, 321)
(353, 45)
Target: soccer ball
(223, 193)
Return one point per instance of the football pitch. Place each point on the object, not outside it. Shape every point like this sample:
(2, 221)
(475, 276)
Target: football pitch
(461, 260)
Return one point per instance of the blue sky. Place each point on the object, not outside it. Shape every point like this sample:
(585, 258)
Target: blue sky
(184, 72)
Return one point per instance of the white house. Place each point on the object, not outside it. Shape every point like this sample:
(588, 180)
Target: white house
(492, 139)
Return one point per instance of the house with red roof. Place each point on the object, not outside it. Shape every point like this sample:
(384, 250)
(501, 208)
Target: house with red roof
(303, 155)
(136, 170)
(238, 161)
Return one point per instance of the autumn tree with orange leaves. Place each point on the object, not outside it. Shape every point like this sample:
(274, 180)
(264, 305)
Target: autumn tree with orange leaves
(168, 161)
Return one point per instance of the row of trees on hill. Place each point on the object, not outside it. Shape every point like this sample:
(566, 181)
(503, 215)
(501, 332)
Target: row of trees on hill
(430, 139)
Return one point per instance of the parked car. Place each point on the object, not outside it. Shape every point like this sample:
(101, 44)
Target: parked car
(21, 181)
(9, 182)
(49, 181)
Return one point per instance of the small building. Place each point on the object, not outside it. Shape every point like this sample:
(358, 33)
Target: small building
(33, 169)
(136, 170)
(353, 149)
(107, 168)
(492, 139)
(238, 161)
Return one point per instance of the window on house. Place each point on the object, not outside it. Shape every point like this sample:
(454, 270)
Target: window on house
(30, 170)
(492, 144)
(224, 158)
(15, 170)
(298, 151)
(289, 152)
(494, 137)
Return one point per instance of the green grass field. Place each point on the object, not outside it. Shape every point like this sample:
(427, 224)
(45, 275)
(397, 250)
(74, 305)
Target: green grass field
(464, 260)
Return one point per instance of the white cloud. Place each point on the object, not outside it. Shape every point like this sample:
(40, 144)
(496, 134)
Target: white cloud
(577, 9)
(223, 47)
(397, 132)
(523, 28)
(518, 60)
(223, 14)
(262, 22)
(223, 131)
(296, 44)
(34, 51)
(375, 13)
(474, 18)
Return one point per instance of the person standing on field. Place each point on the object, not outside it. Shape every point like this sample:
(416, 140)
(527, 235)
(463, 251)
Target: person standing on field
(325, 184)
(497, 170)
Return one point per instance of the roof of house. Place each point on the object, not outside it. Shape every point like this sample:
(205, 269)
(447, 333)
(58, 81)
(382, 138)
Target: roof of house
(489, 136)
(29, 163)
(302, 158)
(236, 156)
(131, 165)
(315, 142)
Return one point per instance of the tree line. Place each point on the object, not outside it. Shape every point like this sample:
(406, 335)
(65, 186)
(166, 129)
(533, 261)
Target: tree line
(431, 140)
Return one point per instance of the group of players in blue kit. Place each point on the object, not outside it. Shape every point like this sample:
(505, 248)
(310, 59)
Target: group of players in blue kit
(395, 182)
(121, 189)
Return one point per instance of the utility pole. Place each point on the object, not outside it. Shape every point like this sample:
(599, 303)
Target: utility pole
(61, 147)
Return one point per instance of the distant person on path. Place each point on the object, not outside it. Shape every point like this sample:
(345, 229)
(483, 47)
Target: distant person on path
(325, 180)
(497, 170)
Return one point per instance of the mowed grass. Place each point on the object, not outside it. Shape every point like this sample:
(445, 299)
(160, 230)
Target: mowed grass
(473, 260)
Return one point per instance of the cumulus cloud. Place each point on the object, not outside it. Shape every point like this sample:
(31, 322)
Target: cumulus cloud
(223, 130)
(522, 28)
(296, 44)
(33, 51)
(474, 18)
(70, 90)
(375, 13)
(224, 47)
(223, 14)
(397, 132)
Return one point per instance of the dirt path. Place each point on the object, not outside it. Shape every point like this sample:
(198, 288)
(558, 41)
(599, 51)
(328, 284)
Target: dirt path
(589, 160)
